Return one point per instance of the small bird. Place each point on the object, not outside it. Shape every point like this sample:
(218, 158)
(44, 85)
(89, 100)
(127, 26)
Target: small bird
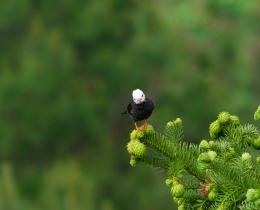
(140, 108)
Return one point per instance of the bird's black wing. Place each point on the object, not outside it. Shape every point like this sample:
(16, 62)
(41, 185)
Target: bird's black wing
(128, 109)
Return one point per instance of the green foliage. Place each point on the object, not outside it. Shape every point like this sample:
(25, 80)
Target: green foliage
(67, 68)
(256, 143)
(73, 190)
(257, 114)
(215, 129)
(219, 174)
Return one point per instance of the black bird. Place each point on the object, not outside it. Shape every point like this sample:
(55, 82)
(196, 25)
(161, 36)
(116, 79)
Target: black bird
(140, 108)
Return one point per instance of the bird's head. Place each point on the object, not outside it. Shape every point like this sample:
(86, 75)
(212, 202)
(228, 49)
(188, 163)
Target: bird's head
(138, 96)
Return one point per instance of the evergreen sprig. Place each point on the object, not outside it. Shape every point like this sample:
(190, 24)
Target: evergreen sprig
(216, 174)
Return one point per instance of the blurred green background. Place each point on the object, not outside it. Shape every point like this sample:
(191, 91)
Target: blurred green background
(68, 69)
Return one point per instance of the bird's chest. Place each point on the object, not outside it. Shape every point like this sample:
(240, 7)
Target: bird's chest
(141, 112)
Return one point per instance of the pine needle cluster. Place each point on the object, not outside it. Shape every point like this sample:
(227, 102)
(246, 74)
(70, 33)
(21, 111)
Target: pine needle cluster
(220, 173)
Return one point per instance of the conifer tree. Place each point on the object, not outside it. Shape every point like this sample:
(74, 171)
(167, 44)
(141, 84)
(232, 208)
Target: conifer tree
(220, 173)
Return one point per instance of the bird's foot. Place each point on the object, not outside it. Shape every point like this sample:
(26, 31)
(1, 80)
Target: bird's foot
(145, 124)
(137, 128)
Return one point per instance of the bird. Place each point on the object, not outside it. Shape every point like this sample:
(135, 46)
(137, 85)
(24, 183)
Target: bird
(140, 108)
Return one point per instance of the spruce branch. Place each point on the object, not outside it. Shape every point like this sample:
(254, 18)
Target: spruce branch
(257, 114)
(216, 174)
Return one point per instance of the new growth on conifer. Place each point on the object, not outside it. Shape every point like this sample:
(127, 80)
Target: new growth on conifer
(219, 173)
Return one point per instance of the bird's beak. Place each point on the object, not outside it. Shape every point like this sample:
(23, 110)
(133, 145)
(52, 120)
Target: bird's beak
(139, 99)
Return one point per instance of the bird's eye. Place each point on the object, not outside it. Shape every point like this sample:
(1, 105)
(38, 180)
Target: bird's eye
(142, 95)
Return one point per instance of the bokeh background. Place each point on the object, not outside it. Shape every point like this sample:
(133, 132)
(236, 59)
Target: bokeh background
(68, 69)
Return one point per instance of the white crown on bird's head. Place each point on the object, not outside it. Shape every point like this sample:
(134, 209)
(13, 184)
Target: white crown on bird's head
(138, 96)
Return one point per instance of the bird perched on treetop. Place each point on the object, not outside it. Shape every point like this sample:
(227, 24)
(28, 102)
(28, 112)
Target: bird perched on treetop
(140, 108)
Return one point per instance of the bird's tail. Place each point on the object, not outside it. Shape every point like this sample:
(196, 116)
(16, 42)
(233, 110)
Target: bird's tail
(125, 112)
